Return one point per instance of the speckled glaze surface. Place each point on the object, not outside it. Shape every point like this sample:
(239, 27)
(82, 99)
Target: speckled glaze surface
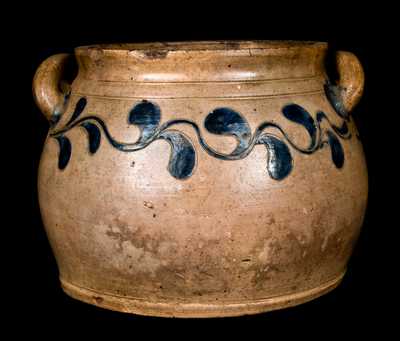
(201, 179)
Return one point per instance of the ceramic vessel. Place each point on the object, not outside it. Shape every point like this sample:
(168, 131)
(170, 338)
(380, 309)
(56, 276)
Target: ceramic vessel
(201, 179)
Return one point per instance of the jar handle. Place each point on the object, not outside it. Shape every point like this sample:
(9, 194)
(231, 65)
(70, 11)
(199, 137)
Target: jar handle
(50, 90)
(351, 79)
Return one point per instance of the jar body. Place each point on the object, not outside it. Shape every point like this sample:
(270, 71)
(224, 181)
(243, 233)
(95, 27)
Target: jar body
(272, 225)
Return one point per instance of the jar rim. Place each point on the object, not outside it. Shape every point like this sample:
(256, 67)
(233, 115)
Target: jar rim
(204, 45)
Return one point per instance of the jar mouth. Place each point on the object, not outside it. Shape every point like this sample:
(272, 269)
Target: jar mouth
(202, 61)
(216, 45)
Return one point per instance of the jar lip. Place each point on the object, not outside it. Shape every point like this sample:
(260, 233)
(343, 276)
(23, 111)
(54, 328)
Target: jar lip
(202, 61)
(204, 45)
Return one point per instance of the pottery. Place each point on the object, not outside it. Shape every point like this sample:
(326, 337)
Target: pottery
(201, 179)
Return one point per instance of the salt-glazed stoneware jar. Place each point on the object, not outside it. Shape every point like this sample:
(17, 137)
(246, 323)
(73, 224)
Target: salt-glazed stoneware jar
(201, 179)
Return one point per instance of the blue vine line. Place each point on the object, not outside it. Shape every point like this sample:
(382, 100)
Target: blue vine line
(146, 116)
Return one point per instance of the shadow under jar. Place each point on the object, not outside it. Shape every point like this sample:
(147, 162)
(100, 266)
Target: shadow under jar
(201, 179)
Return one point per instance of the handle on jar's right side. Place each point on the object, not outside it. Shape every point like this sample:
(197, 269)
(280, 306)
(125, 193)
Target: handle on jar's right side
(346, 93)
(351, 79)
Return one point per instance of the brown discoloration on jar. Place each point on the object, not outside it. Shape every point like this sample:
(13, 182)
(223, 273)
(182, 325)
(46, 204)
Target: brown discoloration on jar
(154, 54)
(227, 240)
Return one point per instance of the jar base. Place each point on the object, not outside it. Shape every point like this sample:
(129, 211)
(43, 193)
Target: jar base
(196, 310)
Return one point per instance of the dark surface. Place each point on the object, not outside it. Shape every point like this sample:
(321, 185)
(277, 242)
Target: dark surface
(361, 302)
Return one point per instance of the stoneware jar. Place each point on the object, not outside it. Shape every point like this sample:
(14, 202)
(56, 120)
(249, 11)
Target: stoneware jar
(201, 179)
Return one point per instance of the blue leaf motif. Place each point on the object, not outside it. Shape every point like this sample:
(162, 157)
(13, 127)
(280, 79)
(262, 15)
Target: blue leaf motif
(337, 152)
(65, 151)
(298, 114)
(146, 116)
(280, 162)
(343, 130)
(225, 121)
(79, 107)
(183, 156)
(221, 121)
(94, 136)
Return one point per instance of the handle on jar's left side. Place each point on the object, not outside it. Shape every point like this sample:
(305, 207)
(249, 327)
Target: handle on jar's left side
(49, 89)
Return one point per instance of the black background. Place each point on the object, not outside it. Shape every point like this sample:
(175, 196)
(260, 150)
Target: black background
(362, 301)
